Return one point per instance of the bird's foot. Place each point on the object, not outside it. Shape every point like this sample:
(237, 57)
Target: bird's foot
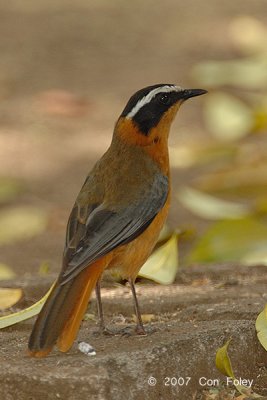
(103, 330)
(138, 330)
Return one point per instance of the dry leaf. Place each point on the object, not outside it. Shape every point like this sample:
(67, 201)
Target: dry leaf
(209, 207)
(145, 318)
(27, 313)
(9, 297)
(230, 240)
(227, 117)
(223, 364)
(261, 327)
(162, 265)
(89, 317)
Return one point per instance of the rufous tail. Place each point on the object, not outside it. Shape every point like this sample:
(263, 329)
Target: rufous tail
(60, 318)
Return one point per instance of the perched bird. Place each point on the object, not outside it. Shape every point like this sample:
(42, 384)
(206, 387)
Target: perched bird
(117, 216)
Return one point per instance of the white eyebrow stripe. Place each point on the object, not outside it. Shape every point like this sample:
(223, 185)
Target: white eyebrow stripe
(146, 99)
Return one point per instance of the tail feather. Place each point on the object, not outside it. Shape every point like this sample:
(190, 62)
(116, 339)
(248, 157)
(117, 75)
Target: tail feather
(72, 325)
(61, 315)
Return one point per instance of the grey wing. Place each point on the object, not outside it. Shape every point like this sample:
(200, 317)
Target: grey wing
(106, 229)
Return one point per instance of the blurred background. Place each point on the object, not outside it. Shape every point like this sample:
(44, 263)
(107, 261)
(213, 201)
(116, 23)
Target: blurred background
(66, 71)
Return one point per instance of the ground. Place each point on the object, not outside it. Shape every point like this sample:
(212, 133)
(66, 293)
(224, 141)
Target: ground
(66, 71)
(191, 320)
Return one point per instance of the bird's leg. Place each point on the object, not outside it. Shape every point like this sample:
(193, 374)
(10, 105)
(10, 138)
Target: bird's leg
(101, 322)
(140, 330)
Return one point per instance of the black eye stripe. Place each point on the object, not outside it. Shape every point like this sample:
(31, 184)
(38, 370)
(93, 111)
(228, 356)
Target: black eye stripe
(139, 95)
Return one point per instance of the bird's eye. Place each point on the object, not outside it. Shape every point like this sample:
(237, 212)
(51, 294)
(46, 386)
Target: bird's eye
(164, 99)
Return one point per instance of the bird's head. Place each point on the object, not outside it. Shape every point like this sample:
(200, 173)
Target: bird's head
(150, 111)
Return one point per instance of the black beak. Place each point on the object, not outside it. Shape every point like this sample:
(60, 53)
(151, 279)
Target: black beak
(187, 93)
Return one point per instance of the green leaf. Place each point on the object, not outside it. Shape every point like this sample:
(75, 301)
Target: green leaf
(27, 313)
(6, 272)
(227, 117)
(162, 265)
(230, 240)
(207, 206)
(261, 327)
(21, 223)
(223, 362)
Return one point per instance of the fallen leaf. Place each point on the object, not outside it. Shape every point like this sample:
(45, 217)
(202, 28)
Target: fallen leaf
(6, 272)
(162, 265)
(89, 317)
(21, 223)
(229, 240)
(210, 207)
(256, 257)
(9, 297)
(165, 234)
(27, 313)
(223, 364)
(227, 117)
(261, 327)
(145, 318)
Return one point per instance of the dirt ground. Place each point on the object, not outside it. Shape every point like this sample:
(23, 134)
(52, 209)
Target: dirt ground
(66, 70)
(191, 320)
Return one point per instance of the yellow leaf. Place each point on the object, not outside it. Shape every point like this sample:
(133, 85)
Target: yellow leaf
(229, 240)
(162, 265)
(207, 206)
(27, 313)
(44, 268)
(145, 317)
(9, 297)
(165, 234)
(89, 317)
(21, 223)
(227, 117)
(255, 257)
(223, 362)
(6, 272)
(261, 327)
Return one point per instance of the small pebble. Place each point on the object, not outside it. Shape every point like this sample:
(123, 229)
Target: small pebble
(86, 348)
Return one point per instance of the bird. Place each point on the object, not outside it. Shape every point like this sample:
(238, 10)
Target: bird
(117, 216)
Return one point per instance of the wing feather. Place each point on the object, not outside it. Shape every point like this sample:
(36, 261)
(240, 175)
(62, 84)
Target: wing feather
(106, 229)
